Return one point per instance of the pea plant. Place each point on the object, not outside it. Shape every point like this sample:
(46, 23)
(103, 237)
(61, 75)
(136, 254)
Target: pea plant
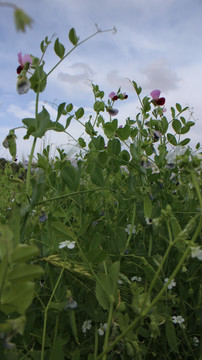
(101, 259)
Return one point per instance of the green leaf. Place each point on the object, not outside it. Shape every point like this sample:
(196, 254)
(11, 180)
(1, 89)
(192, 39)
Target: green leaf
(184, 142)
(185, 129)
(89, 129)
(69, 108)
(176, 124)
(38, 80)
(172, 112)
(99, 106)
(59, 48)
(57, 350)
(24, 272)
(138, 89)
(102, 157)
(171, 336)
(150, 273)
(147, 207)
(103, 291)
(21, 19)
(97, 176)
(96, 255)
(114, 147)
(61, 108)
(17, 297)
(198, 146)
(63, 230)
(79, 113)
(178, 107)
(73, 37)
(70, 175)
(171, 138)
(81, 142)
(68, 121)
(24, 252)
(123, 133)
(176, 228)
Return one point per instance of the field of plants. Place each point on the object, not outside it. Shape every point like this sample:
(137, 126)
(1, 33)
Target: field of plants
(101, 258)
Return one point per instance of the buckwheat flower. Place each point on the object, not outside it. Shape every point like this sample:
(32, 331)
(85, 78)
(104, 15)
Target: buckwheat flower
(128, 229)
(156, 99)
(102, 329)
(68, 244)
(87, 325)
(112, 112)
(177, 319)
(23, 85)
(23, 60)
(172, 283)
(196, 341)
(196, 252)
(136, 278)
(120, 282)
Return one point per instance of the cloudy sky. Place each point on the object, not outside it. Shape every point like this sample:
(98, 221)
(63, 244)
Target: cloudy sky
(158, 44)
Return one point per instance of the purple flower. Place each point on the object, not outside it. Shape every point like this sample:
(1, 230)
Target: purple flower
(112, 112)
(113, 96)
(156, 99)
(23, 60)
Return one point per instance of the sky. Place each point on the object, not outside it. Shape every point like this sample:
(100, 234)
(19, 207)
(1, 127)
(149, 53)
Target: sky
(158, 44)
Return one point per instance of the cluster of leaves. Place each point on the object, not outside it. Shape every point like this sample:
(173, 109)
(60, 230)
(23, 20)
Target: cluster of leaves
(131, 217)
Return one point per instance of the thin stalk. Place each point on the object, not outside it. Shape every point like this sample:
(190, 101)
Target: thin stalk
(71, 194)
(46, 314)
(109, 321)
(80, 43)
(33, 144)
(131, 229)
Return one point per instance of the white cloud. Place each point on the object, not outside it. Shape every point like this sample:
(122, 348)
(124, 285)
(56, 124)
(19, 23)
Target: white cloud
(158, 74)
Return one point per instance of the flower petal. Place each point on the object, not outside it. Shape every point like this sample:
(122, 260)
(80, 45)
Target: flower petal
(26, 58)
(155, 94)
(20, 58)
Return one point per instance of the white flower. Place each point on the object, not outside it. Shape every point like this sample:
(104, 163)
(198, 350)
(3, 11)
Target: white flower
(128, 229)
(178, 151)
(136, 278)
(196, 252)
(171, 285)
(196, 341)
(120, 282)
(68, 244)
(102, 329)
(177, 319)
(87, 325)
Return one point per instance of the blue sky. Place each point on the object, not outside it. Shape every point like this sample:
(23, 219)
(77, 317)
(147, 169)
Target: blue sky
(158, 44)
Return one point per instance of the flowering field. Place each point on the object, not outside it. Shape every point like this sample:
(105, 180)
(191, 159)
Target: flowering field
(101, 260)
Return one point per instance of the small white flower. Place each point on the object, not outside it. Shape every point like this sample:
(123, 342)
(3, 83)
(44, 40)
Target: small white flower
(136, 278)
(120, 282)
(196, 341)
(68, 244)
(196, 252)
(171, 285)
(128, 229)
(102, 329)
(87, 325)
(177, 319)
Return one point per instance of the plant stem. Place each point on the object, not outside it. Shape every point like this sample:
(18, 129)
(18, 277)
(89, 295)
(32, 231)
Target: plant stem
(109, 321)
(46, 313)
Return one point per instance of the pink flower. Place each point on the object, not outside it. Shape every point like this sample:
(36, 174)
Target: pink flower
(156, 99)
(23, 60)
(113, 96)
